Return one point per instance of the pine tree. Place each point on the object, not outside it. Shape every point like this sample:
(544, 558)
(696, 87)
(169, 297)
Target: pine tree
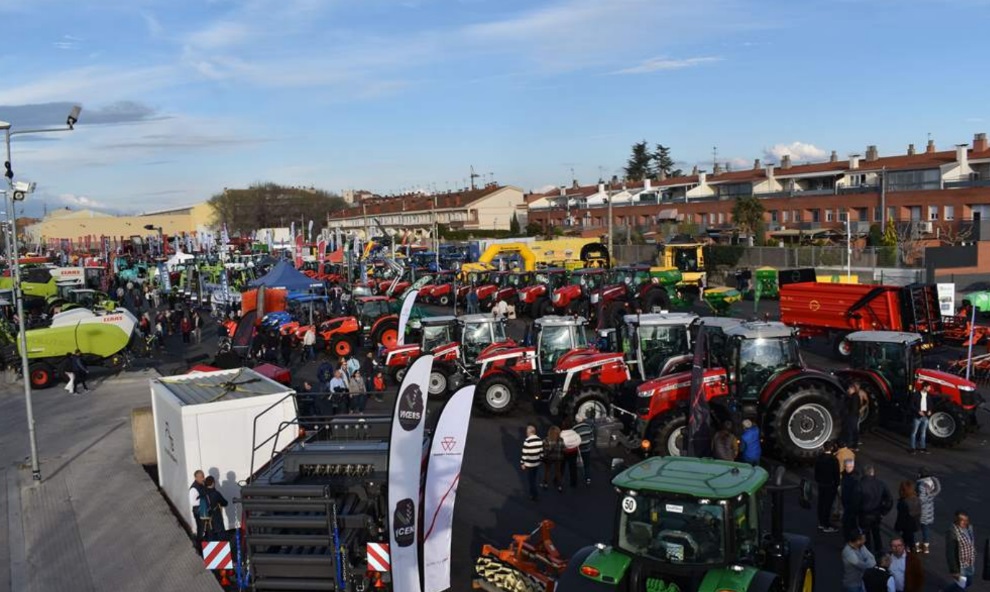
(639, 165)
(514, 225)
(663, 163)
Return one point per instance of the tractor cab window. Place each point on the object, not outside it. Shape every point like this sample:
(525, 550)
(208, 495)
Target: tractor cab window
(434, 336)
(35, 275)
(477, 337)
(590, 281)
(620, 276)
(85, 299)
(658, 343)
(686, 259)
(889, 359)
(556, 341)
(759, 359)
(673, 530)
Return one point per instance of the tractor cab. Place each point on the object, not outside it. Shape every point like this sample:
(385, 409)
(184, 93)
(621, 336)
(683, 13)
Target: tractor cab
(555, 336)
(894, 355)
(479, 331)
(370, 308)
(534, 296)
(755, 353)
(437, 331)
(689, 259)
(656, 344)
(695, 524)
(632, 277)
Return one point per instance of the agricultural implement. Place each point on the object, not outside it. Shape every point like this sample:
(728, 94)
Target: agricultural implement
(531, 564)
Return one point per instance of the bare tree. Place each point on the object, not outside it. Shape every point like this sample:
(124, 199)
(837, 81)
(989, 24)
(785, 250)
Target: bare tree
(909, 243)
(952, 235)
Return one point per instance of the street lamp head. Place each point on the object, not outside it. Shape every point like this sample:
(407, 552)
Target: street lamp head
(73, 117)
(4, 125)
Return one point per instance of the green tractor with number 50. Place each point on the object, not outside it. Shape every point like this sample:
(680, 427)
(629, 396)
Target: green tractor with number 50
(694, 525)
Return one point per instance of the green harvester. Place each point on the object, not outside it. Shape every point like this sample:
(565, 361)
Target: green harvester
(694, 525)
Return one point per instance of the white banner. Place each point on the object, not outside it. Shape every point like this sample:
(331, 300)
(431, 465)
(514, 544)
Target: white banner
(946, 298)
(407, 304)
(405, 460)
(443, 473)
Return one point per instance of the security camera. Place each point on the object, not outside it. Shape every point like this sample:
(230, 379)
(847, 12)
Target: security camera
(22, 188)
(73, 116)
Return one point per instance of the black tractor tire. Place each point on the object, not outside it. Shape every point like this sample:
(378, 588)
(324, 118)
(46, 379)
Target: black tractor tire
(765, 581)
(42, 375)
(801, 420)
(439, 382)
(666, 430)
(397, 373)
(841, 349)
(947, 425)
(342, 346)
(444, 300)
(497, 394)
(657, 298)
(613, 315)
(589, 398)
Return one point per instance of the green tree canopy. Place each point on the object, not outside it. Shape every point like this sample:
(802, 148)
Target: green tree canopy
(266, 205)
(514, 225)
(663, 163)
(748, 214)
(639, 165)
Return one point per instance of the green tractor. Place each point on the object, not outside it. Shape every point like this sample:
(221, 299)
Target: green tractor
(69, 295)
(694, 525)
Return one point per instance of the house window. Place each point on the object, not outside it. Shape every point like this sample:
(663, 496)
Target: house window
(915, 213)
(914, 180)
(773, 215)
(857, 180)
(721, 218)
(816, 215)
(933, 212)
(786, 216)
(829, 215)
(795, 215)
(861, 214)
(877, 212)
(949, 212)
(892, 212)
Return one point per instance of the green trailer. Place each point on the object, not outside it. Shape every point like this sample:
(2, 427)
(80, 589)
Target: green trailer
(980, 301)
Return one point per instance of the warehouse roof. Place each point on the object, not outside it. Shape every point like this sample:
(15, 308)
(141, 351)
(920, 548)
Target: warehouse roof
(225, 385)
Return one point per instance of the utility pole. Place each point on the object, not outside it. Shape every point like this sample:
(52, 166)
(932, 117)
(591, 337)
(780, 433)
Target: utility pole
(883, 199)
(849, 248)
(611, 255)
(436, 234)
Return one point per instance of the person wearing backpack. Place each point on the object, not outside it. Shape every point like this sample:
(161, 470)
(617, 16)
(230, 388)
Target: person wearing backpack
(214, 530)
(198, 501)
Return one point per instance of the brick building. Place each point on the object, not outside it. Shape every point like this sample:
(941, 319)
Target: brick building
(931, 192)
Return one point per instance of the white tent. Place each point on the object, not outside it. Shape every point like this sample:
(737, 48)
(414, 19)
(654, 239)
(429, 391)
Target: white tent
(178, 259)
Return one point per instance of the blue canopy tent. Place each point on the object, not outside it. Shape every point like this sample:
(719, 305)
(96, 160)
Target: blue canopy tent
(283, 275)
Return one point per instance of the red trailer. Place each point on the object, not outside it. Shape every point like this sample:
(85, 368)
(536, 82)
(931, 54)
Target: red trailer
(835, 310)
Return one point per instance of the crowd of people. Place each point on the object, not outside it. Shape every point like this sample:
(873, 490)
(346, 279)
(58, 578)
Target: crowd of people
(564, 447)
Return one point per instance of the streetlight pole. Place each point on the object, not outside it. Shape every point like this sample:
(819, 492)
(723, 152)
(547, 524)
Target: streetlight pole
(18, 294)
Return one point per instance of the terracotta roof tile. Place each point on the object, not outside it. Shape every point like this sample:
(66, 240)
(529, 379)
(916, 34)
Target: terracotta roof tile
(414, 202)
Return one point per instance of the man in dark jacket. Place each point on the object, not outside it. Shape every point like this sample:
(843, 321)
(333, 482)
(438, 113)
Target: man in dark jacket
(852, 497)
(920, 403)
(876, 503)
(878, 578)
(725, 445)
(960, 551)
(81, 371)
(827, 480)
(197, 497)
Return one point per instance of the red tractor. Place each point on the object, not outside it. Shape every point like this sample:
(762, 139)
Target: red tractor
(491, 287)
(438, 291)
(376, 323)
(561, 368)
(579, 294)
(534, 299)
(756, 368)
(628, 290)
(887, 366)
(455, 342)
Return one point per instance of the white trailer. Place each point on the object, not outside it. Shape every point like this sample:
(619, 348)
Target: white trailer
(212, 421)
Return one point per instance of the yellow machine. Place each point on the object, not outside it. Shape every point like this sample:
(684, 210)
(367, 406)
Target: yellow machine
(689, 259)
(570, 253)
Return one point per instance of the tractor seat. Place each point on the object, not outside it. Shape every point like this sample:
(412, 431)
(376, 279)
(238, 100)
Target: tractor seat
(638, 534)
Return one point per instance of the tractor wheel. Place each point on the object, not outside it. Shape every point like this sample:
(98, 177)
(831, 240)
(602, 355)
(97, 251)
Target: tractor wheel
(613, 315)
(590, 400)
(42, 375)
(801, 421)
(498, 394)
(387, 334)
(444, 300)
(947, 426)
(841, 348)
(397, 374)
(542, 308)
(342, 346)
(438, 383)
(504, 576)
(656, 299)
(669, 435)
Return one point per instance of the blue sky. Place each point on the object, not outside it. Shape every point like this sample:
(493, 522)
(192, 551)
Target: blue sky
(185, 97)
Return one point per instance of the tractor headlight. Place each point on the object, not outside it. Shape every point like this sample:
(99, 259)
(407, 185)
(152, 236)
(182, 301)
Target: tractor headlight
(966, 387)
(594, 298)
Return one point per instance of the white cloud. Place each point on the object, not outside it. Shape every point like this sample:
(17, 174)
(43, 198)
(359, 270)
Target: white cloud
(798, 151)
(94, 83)
(219, 35)
(661, 63)
(81, 201)
(545, 189)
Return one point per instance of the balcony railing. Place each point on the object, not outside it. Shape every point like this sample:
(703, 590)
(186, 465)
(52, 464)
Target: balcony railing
(964, 184)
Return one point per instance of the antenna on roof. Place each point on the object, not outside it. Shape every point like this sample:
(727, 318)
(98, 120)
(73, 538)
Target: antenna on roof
(714, 157)
(474, 176)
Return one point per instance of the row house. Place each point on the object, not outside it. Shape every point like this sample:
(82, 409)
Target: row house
(935, 191)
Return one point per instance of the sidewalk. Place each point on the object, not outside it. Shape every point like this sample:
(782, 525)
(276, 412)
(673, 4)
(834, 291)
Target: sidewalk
(96, 521)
